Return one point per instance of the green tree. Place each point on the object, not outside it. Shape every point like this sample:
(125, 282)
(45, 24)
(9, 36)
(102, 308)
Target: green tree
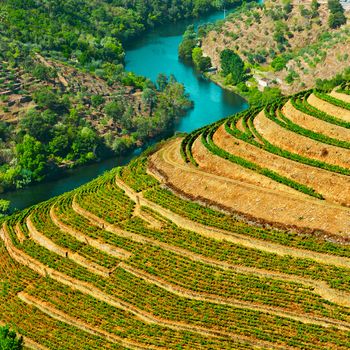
(31, 157)
(38, 125)
(314, 8)
(4, 210)
(162, 82)
(232, 64)
(149, 97)
(48, 99)
(189, 41)
(44, 73)
(288, 7)
(85, 144)
(9, 339)
(201, 63)
(337, 17)
(59, 145)
(279, 63)
(336, 20)
(115, 110)
(97, 100)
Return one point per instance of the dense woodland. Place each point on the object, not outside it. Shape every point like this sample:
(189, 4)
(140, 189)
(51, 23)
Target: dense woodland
(61, 126)
(92, 32)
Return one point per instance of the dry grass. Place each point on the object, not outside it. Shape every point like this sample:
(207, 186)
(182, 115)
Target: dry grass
(253, 200)
(299, 144)
(329, 184)
(315, 124)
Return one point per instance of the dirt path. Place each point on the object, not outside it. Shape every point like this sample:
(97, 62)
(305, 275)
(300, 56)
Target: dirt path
(304, 146)
(249, 199)
(61, 79)
(319, 287)
(47, 243)
(29, 343)
(152, 222)
(218, 166)
(55, 313)
(329, 108)
(340, 96)
(315, 124)
(330, 185)
(90, 289)
(19, 233)
(96, 243)
(186, 293)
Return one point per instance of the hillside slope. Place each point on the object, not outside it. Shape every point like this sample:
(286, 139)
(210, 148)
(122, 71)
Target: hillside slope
(234, 237)
(290, 44)
(64, 116)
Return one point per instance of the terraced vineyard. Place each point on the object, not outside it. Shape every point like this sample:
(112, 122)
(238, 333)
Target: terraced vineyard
(233, 237)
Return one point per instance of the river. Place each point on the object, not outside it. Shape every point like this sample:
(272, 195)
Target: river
(154, 53)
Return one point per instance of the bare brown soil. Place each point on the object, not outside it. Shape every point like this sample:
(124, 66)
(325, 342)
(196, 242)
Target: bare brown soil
(315, 124)
(329, 108)
(340, 96)
(218, 166)
(299, 144)
(250, 199)
(330, 185)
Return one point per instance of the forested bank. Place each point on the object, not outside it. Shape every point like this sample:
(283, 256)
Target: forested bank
(92, 32)
(66, 99)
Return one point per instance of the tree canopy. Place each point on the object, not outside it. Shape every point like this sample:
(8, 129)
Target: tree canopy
(233, 65)
(337, 17)
(9, 339)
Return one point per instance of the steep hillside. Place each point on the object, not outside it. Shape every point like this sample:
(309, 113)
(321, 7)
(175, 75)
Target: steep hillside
(234, 237)
(289, 44)
(55, 116)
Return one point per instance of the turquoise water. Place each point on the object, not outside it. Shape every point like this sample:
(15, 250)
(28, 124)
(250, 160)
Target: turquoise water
(154, 53)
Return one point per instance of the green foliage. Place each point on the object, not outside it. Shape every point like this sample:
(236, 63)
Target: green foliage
(44, 73)
(188, 43)
(92, 32)
(38, 124)
(46, 98)
(231, 63)
(279, 63)
(201, 63)
(314, 8)
(329, 84)
(97, 100)
(115, 110)
(9, 339)
(261, 98)
(32, 158)
(4, 207)
(337, 17)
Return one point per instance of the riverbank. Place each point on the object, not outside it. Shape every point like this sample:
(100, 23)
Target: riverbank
(253, 96)
(154, 53)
